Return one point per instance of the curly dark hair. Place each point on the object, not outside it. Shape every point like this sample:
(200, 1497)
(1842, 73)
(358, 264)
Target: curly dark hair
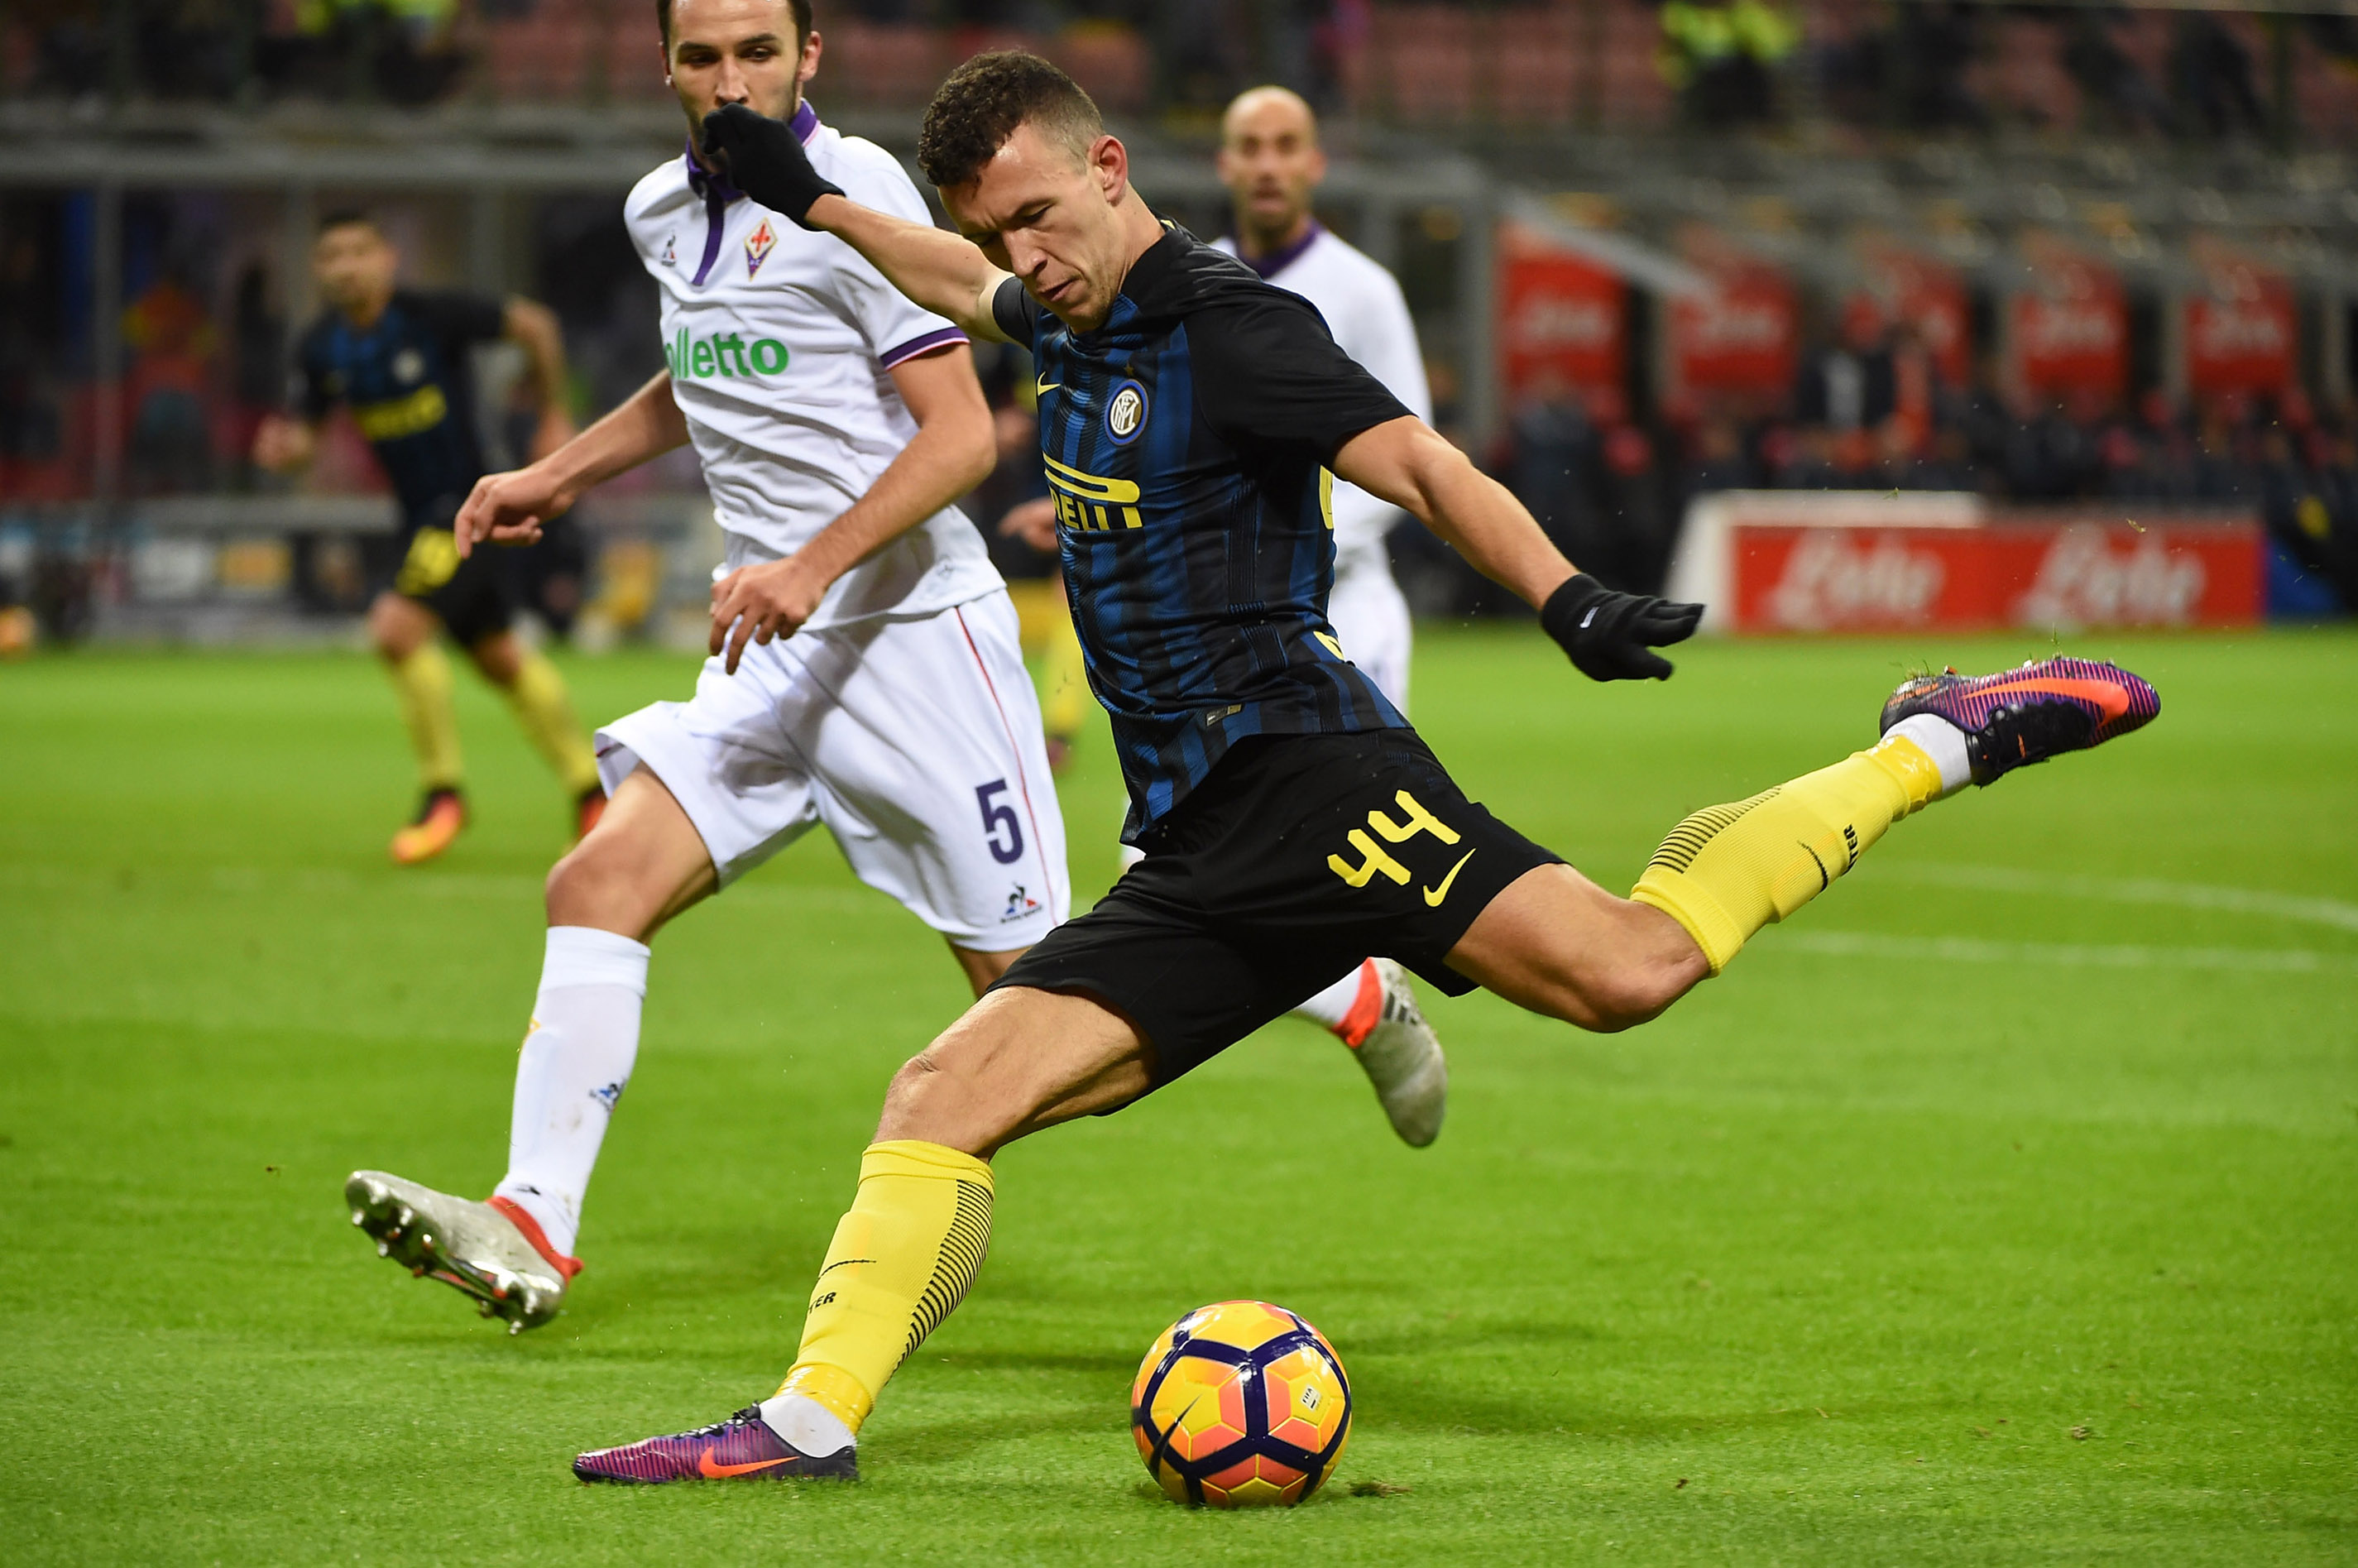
(984, 100)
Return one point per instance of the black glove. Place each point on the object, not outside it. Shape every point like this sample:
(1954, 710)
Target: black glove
(1608, 634)
(764, 160)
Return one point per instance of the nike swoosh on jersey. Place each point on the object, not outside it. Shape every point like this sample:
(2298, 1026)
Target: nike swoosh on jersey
(1043, 388)
(1433, 896)
(704, 1466)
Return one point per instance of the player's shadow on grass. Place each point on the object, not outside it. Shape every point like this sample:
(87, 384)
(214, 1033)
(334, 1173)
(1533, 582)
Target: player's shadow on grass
(947, 1442)
(1091, 1361)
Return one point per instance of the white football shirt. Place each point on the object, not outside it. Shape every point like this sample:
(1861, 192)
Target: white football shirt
(779, 341)
(1368, 316)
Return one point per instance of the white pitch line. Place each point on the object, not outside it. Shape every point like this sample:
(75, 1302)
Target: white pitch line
(2330, 911)
(2068, 955)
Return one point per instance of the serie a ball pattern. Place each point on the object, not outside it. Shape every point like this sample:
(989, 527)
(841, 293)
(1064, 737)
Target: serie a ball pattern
(1241, 1404)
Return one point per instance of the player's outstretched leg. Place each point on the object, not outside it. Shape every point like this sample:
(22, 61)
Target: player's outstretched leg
(1559, 944)
(644, 864)
(1373, 1011)
(1728, 871)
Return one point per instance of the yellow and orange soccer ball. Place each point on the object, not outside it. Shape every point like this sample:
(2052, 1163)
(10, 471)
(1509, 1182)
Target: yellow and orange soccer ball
(1241, 1404)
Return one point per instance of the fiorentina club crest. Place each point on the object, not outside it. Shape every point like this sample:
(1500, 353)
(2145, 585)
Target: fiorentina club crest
(758, 246)
(670, 256)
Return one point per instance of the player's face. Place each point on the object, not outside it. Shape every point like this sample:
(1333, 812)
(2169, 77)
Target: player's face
(737, 52)
(1051, 219)
(1271, 162)
(354, 265)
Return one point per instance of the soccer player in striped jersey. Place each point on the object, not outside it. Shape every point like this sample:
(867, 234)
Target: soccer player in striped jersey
(1290, 819)
(397, 358)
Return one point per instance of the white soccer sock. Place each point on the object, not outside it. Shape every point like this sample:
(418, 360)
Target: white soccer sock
(575, 1064)
(1944, 744)
(805, 1425)
(1331, 1006)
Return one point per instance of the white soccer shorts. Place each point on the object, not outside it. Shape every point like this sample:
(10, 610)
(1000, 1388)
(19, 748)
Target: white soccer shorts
(1371, 621)
(916, 743)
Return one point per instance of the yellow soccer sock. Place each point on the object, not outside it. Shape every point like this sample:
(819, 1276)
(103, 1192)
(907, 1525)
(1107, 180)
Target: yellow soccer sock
(544, 709)
(1728, 871)
(421, 682)
(902, 1260)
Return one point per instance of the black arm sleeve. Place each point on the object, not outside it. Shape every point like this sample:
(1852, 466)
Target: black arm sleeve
(1014, 312)
(1269, 372)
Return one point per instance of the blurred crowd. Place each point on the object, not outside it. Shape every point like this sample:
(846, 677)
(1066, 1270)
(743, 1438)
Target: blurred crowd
(1931, 66)
(1868, 412)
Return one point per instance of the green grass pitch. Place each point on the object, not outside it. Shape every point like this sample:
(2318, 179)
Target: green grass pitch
(2000, 1209)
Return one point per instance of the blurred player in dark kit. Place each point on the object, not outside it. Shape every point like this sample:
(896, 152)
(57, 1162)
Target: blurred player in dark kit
(398, 357)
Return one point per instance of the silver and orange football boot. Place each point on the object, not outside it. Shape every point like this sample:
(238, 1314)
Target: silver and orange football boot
(494, 1251)
(1401, 1056)
(2018, 717)
(741, 1448)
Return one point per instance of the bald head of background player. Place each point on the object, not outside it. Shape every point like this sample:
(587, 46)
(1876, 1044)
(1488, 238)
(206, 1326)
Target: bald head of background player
(1271, 163)
(398, 357)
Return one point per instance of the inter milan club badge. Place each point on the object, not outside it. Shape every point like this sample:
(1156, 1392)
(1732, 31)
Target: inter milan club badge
(758, 246)
(1125, 411)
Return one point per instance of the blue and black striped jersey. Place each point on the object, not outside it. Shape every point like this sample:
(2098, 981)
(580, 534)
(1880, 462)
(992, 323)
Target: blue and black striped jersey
(411, 390)
(1185, 441)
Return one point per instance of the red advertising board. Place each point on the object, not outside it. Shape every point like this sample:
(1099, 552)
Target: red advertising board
(1562, 317)
(2240, 325)
(1785, 578)
(1739, 336)
(2068, 328)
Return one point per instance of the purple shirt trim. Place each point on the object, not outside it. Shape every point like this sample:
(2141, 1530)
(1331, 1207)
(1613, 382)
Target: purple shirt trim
(1276, 262)
(719, 193)
(940, 338)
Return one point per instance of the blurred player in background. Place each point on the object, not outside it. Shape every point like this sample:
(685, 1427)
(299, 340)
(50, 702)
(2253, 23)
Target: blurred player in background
(398, 357)
(866, 675)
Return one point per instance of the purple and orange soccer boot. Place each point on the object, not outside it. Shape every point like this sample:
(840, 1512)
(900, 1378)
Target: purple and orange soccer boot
(741, 1448)
(2026, 715)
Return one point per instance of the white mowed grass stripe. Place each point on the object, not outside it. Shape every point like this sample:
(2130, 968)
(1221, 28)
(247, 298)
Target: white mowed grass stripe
(2333, 912)
(2067, 955)
(254, 880)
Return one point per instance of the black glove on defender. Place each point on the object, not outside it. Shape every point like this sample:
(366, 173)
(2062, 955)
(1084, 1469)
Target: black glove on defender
(1609, 634)
(764, 160)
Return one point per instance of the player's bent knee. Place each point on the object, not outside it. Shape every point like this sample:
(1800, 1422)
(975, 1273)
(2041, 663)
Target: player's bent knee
(600, 882)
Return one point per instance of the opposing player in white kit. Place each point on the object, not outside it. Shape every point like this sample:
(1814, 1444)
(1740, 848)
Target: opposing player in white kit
(865, 674)
(1270, 161)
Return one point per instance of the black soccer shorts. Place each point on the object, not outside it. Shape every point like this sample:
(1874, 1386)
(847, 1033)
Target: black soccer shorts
(1298, 857)
(471, 596)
